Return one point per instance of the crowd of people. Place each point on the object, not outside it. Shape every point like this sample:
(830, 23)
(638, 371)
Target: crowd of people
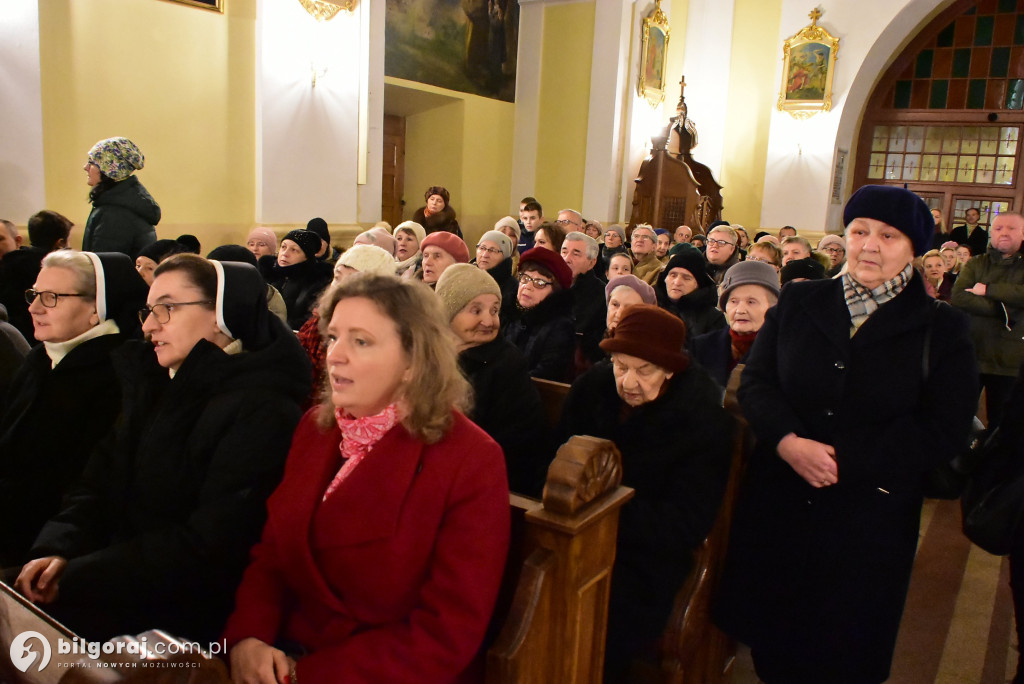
(307, 450)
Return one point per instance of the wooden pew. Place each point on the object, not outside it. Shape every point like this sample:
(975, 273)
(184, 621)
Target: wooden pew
(693, 650)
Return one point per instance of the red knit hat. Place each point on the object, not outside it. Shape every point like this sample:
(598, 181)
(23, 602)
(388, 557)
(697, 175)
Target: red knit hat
(652, 334)
(449, 242)
(550, 260)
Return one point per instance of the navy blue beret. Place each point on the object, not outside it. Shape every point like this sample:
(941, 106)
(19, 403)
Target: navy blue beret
(898, 207)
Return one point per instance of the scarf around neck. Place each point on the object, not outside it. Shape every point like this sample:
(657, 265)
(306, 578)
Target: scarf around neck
(862, 302)
(358, 437)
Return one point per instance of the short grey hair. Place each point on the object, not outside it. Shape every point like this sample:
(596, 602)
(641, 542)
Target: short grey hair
(79, 264)
(590, 242)
(790, 239)
(578, 215)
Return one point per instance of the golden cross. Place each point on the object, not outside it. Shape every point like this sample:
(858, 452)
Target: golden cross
(815, 15)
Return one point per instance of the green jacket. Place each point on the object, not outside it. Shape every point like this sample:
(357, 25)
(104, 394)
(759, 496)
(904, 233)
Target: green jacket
(997, 319)
(122, 220)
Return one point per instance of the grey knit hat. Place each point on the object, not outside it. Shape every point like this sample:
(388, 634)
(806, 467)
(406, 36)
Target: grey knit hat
(616, 228)
(504, 242)
(460, 284)
(748, 273)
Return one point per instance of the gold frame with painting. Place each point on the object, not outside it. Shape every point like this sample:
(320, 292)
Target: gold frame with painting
(654, 57)
(809, 61)
(215, 5)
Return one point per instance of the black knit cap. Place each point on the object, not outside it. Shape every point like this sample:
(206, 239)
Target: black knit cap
(319, 226)
(898, 207)
(808, 269)
(161, 249)
(236, 253)
(690, 258)
(308, 241)
(190, 243)
(241, 304)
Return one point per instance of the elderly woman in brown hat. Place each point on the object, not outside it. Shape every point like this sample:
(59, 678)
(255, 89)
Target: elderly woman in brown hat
(848, 423)
(437, 214)
(505, 402)
(678, 469)
(748, 290)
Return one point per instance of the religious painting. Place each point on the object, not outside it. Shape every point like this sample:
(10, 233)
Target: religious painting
(216, 5)
(464, 45)
(809, 62)
(651, 85)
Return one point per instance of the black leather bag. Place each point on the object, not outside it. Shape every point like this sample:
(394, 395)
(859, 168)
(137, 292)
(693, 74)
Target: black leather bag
(993, 502)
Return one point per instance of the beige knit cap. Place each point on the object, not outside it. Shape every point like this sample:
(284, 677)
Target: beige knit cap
(460, 284)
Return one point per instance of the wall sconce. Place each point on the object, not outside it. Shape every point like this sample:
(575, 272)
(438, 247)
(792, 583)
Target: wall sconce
(324, 10)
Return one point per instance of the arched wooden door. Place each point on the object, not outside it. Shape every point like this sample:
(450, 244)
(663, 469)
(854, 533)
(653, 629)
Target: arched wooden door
(946, 118)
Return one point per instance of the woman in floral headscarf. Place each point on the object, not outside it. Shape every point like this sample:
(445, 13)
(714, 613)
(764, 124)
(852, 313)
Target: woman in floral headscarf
(124, 214)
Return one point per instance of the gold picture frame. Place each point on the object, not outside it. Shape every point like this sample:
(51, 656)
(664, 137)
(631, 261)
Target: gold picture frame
(654, 57)
(215, 5)
(809, 61)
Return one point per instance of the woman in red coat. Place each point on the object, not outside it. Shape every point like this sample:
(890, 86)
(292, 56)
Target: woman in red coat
(386, 541)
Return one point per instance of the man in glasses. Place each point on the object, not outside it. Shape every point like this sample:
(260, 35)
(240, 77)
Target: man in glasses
(721, 251)
(571, 220)
(644, 243)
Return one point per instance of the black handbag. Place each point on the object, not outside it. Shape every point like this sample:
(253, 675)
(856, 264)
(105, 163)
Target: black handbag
(949, 479)
(993, 502)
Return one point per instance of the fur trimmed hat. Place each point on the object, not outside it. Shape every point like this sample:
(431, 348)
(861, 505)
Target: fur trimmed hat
(807, 269)
(462, 283)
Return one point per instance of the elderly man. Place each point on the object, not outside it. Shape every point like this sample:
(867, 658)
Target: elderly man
(571, 220)
(991, 289)
(588, 307)
(971, 234)
(644, 242)
(721, 251)
(835, 247)
(682, 234)
(795, 247)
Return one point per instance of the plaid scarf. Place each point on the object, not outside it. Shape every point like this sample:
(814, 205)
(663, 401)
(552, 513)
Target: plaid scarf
(863, 302)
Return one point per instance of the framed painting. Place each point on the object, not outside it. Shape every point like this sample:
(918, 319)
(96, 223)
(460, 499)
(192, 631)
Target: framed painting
(215, 5)
(654, 53)
(809, 60)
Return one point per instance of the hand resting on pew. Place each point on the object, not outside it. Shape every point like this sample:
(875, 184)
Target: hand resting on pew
(39, 580)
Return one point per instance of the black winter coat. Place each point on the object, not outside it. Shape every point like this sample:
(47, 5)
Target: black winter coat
(545, 336)
(300, 285)
(508, 408)
(676, 455)
(13, 349)
(698, 310)
(158, 530)
(815, 579)
(54, 418)
(123, 219)
(713, 351)
(590, 312)
(977, 240)
(19, 269)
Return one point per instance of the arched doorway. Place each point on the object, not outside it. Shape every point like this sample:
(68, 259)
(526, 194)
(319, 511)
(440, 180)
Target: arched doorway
(946, 118)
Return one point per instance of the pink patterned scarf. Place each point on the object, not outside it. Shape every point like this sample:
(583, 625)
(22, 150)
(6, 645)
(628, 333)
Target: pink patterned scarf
(358, 437)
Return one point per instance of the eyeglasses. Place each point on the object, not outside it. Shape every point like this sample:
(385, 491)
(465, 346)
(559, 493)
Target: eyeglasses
(720, 243)
(488, 250)
(48, 299)
(538, 283)
(833, 250)
(763, 260)
(566, 222)
(162, 312)
(641, 238)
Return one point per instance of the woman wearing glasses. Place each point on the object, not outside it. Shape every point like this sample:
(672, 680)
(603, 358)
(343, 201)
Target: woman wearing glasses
(65, 396)
(156, 532)
(540, 324)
